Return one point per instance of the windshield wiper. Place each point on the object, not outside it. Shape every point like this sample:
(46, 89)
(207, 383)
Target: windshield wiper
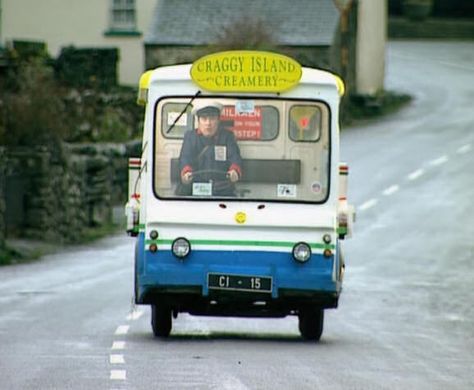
(183, 111)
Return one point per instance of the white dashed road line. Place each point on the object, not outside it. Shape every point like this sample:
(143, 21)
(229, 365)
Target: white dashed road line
(464, 149)
(416, 174)
(439, 161)
(118, 374)
(391, 190)
(122, 329)
(118, 345)
(117, 359)
(135, 315)
(413, 176)
(367, 205)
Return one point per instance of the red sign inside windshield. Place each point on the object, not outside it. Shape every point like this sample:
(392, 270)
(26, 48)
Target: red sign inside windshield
(245, 125)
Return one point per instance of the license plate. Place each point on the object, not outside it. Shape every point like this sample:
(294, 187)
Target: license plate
(239, 282)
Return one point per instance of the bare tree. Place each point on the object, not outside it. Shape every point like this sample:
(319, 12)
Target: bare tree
(247, 33)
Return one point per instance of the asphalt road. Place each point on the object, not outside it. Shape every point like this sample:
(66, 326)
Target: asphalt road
(406, 317)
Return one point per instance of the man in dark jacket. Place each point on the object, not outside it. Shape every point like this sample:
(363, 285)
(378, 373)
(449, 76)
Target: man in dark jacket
(210, 154)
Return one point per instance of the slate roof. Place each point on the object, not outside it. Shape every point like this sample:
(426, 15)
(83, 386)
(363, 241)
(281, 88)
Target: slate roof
(195, 22)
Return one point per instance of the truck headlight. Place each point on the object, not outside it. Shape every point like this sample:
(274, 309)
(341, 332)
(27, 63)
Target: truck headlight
(181, 247)
(301, 252)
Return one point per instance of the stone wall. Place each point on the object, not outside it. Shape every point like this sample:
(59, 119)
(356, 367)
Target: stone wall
(57, 194)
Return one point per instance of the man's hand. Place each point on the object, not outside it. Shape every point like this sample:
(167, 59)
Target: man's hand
(187, 177)
(233, 175)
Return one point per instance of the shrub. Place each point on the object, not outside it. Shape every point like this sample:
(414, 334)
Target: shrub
(88, 67)
(35, 109)
(31, 106)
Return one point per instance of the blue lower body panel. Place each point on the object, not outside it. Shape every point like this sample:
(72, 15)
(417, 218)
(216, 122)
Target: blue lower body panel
(162, 277)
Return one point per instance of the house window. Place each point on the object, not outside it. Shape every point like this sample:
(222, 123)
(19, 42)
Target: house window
(122, 15)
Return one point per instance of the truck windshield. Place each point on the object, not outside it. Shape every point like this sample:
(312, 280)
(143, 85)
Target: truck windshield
(251, 148)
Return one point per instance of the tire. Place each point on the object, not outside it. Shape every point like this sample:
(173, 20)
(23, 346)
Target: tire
(311, 323)
(161, 320)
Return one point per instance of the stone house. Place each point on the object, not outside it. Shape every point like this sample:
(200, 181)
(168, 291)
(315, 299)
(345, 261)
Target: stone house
(181, 30)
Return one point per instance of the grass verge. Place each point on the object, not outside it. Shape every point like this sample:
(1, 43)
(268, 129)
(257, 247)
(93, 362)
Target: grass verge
(10, 256)
(26, 251)
(358, 109)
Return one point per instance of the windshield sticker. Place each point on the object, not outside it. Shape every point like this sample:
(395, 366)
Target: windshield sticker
(286, 190)
(202, 189)
(245, 107)
(316, 187)
(183, 121)
(220, 152)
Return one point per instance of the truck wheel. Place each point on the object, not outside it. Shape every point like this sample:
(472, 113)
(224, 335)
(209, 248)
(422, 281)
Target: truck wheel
(161, 320)
(311, 323)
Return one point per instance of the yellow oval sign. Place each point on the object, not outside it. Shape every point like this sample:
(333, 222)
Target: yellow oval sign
(240, 217)
(246, 71)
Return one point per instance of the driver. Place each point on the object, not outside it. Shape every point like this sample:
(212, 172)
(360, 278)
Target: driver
(210, 152)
